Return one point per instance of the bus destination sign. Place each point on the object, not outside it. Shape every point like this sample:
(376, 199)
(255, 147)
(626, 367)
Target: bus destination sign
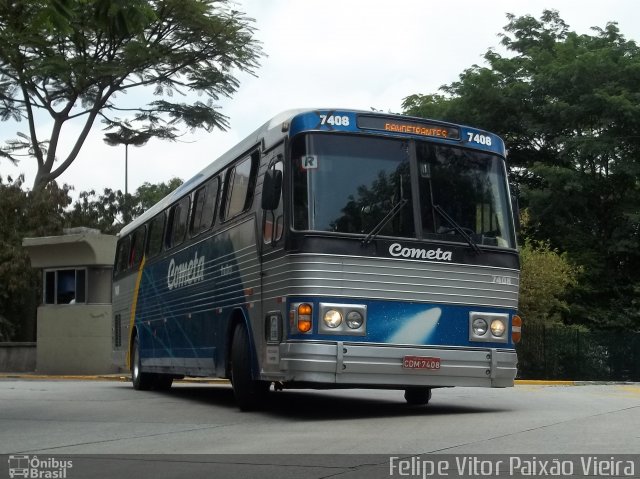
(411, 127)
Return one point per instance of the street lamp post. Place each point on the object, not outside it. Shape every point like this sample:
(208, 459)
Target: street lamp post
(126, 136)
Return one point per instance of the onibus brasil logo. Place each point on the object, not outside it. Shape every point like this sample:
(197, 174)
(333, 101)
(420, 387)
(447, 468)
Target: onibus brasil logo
(32, 467)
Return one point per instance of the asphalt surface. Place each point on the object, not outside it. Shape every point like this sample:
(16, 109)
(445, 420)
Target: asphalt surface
(99, 427)
(73, 416)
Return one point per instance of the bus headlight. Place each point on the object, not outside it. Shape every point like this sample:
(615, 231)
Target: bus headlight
(343, 319)
(479, 326)
(332, 318)
(354, 319)
(488, 327)
(497, 327)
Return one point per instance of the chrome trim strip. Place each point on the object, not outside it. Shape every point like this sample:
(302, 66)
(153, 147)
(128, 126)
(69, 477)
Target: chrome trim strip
(406, 260)
(390, 279)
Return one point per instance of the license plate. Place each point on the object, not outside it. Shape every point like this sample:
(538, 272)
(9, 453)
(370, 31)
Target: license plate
(420, 362)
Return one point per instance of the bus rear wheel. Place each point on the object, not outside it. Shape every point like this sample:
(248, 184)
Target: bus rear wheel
(141, 381)
(249, 393)
(417, 396)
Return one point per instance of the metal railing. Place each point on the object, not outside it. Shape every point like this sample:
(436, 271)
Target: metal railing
(566, 352)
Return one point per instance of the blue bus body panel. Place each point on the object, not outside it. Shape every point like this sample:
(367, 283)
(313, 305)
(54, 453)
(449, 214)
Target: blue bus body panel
(185, 301)
(396, 322)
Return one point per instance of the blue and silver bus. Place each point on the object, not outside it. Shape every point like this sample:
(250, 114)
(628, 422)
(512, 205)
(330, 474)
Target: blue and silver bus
(328, 249)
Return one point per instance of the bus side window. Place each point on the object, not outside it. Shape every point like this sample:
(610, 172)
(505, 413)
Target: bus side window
(199, 198)
(274, 220)
(137, 247)
(204, 206)
(240, 184)
(178, 216)
(156, 230)
(122, 255)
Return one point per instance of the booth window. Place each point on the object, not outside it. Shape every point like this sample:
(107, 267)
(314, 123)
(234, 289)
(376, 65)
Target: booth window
(77, 286)
(65, 286)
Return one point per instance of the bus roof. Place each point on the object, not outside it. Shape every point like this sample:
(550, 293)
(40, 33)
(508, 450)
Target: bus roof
(266, 130)
(291, 122)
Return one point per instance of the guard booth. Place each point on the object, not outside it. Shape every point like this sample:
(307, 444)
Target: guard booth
(74, 316)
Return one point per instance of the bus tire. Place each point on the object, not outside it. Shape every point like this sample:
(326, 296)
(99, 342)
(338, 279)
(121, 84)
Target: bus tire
(249, 393)
(141, 381)
(162, 382)
(417, 396)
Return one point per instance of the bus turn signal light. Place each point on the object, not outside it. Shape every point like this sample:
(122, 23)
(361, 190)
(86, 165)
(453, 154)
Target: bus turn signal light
(516, 328)
(304, 317)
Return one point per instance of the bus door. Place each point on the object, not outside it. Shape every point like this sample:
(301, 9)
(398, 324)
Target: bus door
(272, 264)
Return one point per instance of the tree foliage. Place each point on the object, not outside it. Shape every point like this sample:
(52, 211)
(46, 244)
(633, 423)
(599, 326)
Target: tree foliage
(568, 106)
(545, 279)
(112, 209)
(73, 61)
(126, 136)
(25, 214)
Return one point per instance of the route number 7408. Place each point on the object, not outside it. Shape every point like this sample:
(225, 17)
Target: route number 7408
(334, 120)
(480, 139)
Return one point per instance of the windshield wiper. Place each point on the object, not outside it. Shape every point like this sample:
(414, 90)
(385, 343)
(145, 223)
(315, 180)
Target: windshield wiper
(457, 227)
(383, 222)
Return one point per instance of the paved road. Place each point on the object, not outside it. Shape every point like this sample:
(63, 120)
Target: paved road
(301, 434)
(91, 417)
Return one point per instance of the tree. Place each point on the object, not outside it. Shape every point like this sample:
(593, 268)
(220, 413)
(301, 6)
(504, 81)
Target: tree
(73, 61)
(111, 210)
(567, 106)
(23, 214)
(149, 194)
(545, 279)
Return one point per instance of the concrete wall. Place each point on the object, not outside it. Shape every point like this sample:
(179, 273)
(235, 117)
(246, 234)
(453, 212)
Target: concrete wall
(17, 357)
(74, 339)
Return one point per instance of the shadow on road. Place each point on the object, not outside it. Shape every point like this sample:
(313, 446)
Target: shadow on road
(327, 405)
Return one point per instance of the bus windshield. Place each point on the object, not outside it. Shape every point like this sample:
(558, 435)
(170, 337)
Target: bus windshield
(348, 184)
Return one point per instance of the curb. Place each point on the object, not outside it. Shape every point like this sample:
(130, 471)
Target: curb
(544, 382)
(127, 378)
(101, 377)
(73, 377)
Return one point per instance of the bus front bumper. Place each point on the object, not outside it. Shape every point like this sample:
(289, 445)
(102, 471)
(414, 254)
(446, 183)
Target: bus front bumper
(381, 365)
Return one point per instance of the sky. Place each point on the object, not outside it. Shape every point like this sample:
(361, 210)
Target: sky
(355, 54)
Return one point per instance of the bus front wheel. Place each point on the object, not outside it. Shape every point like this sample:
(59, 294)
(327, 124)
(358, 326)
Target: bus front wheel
(417, 396)
(162, 382)
(141, 381)
(248, 392)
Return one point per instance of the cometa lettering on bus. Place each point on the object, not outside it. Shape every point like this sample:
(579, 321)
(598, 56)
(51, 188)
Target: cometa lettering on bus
(396, 249)
(185, 274)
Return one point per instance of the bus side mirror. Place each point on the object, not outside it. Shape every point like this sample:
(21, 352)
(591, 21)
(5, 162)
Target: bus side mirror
(271, 188)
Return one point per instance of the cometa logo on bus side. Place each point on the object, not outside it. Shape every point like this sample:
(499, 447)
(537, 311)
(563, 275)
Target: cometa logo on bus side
(185, 274)
(397, 250)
